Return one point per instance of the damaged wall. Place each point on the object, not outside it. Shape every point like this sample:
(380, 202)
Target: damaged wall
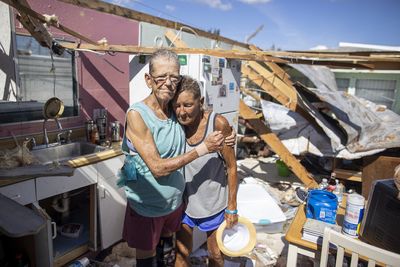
(103, 80)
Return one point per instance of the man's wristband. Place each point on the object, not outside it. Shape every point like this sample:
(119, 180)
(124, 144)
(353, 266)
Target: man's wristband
(231, 211)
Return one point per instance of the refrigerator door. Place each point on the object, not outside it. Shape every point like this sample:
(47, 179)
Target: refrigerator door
(138, 67)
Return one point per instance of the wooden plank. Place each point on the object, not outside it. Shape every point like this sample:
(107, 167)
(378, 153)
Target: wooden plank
(277, 84)
(24, 8)
(273, 141)
(175, 39)
(348, 175)
(134, 49)
(266, 86)
(276, 69)
(250, 93)
(139, 16)
(375, 168)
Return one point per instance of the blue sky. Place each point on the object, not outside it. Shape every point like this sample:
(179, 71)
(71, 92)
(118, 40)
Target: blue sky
(287, 24)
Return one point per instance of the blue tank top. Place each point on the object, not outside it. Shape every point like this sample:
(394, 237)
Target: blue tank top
(147, 195)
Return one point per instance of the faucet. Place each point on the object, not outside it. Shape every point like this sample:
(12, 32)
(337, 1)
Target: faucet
(67, 139)
(45, 136)
(27, 140)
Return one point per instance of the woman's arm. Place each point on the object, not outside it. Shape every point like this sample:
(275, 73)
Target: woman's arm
(142, 139)
(228, 153)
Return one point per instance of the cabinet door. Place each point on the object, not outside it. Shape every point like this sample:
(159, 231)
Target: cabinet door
(111, 202)
(43, 240)
(23, 192)
(54, 185)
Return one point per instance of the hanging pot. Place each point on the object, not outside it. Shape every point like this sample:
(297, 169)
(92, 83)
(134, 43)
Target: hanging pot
(53, 108)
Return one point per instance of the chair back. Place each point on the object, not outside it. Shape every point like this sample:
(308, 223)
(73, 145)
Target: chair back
(357, 248)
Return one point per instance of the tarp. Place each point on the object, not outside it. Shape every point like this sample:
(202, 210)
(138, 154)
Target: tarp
(348, 126)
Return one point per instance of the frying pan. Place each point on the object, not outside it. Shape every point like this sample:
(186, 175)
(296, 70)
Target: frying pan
(53, 108)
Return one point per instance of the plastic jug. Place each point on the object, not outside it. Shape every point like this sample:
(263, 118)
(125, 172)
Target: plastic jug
(322, 205)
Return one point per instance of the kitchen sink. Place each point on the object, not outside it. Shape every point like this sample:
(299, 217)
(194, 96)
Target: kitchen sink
(65, 152)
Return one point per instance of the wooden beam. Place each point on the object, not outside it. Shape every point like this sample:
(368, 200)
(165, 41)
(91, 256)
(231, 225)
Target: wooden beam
(277, 83)
(250, 93)
(133, 49)
(139, 16)
(23, 8)
(172, 37)
(349, 175)
(278, 71)
(33, 25)
(276, 145)
(264, 84)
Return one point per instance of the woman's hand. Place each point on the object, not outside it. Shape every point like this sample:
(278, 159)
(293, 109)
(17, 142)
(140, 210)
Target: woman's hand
(214, 141)
(231, 220)
(231, 139)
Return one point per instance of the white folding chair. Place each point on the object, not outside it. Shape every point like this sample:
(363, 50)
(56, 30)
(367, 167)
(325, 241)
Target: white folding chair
(372, 253)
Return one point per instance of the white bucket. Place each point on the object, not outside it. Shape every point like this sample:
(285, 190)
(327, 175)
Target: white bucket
(353, 215)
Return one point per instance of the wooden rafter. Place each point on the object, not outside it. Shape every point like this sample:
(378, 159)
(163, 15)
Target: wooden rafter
(133, 49)
(143, 17)
(26, 12)
(278, 71)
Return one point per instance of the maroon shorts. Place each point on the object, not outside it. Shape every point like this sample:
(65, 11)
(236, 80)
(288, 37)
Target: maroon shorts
(144, 232)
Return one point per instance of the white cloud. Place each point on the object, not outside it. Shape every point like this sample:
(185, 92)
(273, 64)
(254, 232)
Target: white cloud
(120, 2)
(319, 47)
(217, 4)
(251, 2)
(170, 8)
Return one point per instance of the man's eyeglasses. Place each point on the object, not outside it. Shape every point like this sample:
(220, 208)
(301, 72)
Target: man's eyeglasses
(174, 79)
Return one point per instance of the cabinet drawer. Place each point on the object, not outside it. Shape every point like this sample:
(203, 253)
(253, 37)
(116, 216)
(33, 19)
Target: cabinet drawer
(109, 168)
(54, 185)
(23, 192)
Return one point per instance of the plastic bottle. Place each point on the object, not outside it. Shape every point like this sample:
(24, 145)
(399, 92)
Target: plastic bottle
(324, 184)
(339, 189)
(80, 263)
(353, 215)
(332, 182)
(95, 138)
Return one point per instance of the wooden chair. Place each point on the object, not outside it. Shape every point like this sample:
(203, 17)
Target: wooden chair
(372, 253)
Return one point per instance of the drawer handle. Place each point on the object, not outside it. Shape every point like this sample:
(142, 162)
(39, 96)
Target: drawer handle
(16, 196)
(54, 230)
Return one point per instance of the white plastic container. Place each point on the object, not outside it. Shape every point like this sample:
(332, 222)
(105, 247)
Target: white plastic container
(257, 205)
(353, 215)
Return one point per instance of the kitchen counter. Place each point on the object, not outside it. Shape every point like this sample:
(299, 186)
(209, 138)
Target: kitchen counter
(20, 174)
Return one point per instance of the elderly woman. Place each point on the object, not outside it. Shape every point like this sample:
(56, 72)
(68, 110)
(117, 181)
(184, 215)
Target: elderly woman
(154, 143)
(211, 181)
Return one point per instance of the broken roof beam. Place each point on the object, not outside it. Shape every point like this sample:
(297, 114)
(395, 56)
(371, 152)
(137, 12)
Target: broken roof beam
(264, 83)
(24, 9)
(143, 17)
(275, 68)
(134, 49)
(276, 145)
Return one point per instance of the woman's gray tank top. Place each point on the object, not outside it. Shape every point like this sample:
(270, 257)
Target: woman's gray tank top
(206, 181)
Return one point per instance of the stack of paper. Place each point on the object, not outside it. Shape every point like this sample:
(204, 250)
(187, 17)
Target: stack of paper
(313, 230)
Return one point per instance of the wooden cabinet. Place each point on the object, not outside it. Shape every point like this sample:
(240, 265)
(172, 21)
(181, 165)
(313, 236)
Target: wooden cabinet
(377, 167)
